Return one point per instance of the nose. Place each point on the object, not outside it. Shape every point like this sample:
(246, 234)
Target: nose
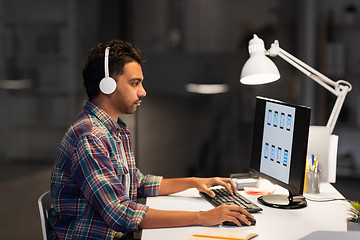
(142, 92)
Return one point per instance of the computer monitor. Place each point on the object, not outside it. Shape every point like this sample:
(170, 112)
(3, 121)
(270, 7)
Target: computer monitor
(280, 140)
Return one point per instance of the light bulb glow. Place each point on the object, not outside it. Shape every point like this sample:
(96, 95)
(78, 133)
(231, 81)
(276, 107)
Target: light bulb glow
(261, 78)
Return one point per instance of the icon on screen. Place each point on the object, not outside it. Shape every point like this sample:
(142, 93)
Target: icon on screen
(288, 122)
(272, 154)
(269, 117)
(276, 118)
(278, 155)
(286, 155)
(282, 120)
(266, 151)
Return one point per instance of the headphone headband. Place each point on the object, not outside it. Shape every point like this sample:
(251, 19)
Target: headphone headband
(106, 61)
(107, 85)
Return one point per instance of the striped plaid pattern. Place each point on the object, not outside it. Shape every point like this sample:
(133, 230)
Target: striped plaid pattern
(89, 199)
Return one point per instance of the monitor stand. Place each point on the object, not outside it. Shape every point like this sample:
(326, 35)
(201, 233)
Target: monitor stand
(283, 201)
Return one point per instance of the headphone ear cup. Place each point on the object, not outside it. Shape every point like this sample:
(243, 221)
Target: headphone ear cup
(107, 85)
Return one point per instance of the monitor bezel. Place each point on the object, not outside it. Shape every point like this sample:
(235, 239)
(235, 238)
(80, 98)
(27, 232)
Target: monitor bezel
(300, 136)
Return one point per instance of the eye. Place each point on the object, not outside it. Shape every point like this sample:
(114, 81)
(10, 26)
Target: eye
(135, 83)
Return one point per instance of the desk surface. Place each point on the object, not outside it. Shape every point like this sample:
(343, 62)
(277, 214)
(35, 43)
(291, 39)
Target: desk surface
(271, 223)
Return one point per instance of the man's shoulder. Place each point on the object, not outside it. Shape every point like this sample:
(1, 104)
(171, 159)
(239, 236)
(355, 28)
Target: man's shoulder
(85, 125)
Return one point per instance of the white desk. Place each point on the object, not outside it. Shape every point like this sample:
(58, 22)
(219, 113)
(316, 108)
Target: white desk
(271, 223)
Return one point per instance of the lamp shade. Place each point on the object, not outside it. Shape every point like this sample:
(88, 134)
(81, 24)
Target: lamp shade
(258, 69)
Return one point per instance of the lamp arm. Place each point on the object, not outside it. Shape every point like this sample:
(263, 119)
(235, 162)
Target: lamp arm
(339, 88)
(320, 79)
(337, 107)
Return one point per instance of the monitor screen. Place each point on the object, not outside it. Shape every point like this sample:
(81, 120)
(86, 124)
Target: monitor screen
(279, 149)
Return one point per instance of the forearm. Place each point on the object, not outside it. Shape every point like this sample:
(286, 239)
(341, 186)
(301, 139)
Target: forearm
(174, 185)
(165, 219)
(169, 186)
(162, 219)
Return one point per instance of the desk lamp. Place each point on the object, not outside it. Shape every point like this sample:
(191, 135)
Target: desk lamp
(259, 69)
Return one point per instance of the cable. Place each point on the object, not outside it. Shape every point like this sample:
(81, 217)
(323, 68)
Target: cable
(326, 199)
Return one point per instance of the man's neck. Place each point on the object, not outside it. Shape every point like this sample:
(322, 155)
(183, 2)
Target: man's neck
(103, 103)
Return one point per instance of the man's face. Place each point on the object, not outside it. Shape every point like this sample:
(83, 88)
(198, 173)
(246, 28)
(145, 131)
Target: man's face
(129, 92)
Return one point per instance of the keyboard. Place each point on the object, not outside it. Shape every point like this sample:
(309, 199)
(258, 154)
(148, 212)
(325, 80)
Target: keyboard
(224, 197)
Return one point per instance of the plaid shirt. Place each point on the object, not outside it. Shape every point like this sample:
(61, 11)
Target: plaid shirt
(89, 200)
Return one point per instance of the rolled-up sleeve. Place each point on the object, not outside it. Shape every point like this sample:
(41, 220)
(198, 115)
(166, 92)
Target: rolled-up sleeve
(149, 185)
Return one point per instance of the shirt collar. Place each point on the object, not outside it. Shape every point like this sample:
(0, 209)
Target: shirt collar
(121, 123)
(108, 122)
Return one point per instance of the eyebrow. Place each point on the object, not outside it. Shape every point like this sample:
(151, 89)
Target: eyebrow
(135, 80)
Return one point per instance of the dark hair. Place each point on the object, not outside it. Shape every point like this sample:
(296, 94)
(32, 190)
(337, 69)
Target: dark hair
(121, 52)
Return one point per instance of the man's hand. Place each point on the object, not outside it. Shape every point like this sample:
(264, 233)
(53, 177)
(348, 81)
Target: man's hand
(224, 213)
(203, 185)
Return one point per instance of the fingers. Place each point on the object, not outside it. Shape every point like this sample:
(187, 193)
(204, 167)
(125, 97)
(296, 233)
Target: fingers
(237, 217)
(227, 183)
(240, 220)
(233, 186)
(239, 209)
(236, 214)
(230, 183)
(209, 192)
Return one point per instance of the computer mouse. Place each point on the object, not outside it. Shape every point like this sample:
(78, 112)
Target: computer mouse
(251, 220)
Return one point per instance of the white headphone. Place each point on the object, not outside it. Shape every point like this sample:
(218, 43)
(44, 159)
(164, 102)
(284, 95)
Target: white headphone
(107, 84)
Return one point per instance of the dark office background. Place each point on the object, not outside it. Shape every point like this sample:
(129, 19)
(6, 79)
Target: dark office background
(43, 46)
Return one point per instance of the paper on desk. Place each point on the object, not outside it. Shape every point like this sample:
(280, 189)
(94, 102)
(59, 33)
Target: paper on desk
(223, 234)
(258, 191)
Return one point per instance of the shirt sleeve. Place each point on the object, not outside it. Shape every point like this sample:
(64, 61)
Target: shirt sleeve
(149, 185)
(99, 183)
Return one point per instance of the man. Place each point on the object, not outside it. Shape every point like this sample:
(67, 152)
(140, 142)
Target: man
(95, 183)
